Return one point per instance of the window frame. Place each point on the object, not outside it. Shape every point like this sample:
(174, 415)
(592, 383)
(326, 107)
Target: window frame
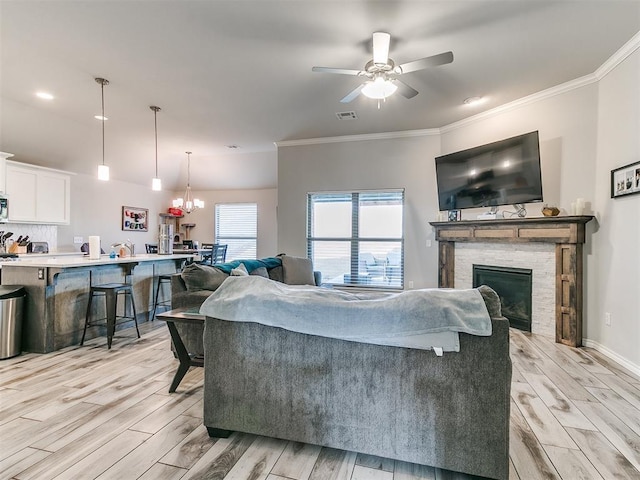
(355, 240)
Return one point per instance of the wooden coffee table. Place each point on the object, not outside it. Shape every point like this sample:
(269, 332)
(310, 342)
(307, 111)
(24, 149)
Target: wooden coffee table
(182, 315)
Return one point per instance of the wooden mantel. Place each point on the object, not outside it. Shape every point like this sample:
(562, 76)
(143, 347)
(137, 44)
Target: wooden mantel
(567, 233)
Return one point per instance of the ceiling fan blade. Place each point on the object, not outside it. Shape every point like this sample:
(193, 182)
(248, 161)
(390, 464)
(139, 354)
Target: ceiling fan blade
(433, 61)
(381, 48)
(341, 71)
(353, 94)
(405, 90)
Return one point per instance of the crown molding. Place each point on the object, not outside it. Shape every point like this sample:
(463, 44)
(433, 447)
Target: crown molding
(359, 138)
(529, 99)
(617, 58)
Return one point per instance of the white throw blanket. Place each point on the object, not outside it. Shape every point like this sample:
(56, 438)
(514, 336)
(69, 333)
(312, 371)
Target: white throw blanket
(423, 319)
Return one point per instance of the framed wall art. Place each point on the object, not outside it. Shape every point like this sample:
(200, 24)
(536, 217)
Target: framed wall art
(625, 180)
(135, 219)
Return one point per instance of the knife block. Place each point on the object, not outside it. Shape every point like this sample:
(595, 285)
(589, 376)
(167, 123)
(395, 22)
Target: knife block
(15, 248)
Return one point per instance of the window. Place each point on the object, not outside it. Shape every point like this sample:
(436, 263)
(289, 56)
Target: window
(356, 238)
(237, 227)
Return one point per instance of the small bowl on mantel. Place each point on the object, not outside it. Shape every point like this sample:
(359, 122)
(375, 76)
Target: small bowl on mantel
(550, 211)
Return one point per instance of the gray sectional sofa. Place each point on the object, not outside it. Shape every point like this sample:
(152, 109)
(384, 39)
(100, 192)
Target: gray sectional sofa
(191, 287)
(408, 404)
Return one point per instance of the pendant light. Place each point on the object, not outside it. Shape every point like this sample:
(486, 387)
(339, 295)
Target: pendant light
(156, 183)
(188, 203)
(103, 170)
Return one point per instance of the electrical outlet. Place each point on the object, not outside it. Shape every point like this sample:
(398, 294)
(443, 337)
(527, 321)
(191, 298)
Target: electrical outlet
(410, 284)
(41, 274)
(428, 243)
(607, 319)
(78, 240)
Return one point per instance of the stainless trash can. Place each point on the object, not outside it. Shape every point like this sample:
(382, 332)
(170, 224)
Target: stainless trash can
(11, 308)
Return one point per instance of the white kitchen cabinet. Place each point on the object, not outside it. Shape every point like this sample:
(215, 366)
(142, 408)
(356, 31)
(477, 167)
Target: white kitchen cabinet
(3, 167)
(37, 195)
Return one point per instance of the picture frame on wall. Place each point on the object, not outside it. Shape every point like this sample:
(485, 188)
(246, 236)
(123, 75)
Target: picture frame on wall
(625, 180)
(135, 219)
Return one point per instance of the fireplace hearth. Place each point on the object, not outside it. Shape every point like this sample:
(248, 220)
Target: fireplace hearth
(514, 287)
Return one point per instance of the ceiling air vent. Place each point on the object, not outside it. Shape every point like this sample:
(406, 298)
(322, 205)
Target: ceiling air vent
(346, 115)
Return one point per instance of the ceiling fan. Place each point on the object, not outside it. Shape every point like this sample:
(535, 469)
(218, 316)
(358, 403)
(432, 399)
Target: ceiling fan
(382, 73)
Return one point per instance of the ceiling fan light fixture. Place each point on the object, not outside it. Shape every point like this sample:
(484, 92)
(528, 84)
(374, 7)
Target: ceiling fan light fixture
(379, 89)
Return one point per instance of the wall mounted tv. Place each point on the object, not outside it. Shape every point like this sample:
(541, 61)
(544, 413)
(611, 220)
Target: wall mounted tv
(499, 173)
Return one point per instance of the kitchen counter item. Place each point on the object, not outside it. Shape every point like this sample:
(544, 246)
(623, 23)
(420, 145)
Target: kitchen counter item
(37, 247)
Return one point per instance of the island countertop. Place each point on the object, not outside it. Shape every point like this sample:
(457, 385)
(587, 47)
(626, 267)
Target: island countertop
(84, 261)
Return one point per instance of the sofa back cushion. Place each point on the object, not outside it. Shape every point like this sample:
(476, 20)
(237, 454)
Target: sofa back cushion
(297, 270)
(202, 277)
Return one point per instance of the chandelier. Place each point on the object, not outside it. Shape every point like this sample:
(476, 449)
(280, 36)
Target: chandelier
(188, 203)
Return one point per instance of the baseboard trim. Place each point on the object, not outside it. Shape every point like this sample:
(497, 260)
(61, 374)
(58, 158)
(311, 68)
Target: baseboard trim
(612, 355)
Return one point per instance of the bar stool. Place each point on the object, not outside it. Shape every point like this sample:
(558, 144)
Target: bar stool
(110, 292)
(153, 248)
(162, 279)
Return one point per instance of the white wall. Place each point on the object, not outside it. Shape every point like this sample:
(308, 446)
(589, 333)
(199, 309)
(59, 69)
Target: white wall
(204, 218)
(96, 209)
(616, 286)
(364, 165)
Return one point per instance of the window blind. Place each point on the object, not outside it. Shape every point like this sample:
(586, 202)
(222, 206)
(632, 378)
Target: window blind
(236, 225)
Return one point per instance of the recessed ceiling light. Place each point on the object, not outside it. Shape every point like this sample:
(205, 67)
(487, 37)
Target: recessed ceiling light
(44, 95)
(471, 101)
(100, 117)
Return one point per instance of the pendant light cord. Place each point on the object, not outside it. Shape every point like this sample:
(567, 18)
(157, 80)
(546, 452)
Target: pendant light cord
(155, 121)
(103, 119)
(188, 169)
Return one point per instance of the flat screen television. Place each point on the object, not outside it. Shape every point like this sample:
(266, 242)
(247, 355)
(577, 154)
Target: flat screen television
(506, 172)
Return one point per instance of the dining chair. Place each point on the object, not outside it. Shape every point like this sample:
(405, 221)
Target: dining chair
(218, 254)
(205, 257)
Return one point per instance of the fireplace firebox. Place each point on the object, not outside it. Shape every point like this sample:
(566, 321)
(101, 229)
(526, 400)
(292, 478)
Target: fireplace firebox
(513, 286)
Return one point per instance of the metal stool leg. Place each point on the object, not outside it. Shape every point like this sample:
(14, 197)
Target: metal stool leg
(87, 317)
(111, 299)
(155, 301)
(133, 307)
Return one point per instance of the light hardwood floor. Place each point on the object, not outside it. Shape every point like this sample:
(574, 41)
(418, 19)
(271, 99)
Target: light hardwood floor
(86, 412)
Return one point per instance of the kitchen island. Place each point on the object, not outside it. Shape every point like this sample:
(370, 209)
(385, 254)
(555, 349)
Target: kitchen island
(58, 293)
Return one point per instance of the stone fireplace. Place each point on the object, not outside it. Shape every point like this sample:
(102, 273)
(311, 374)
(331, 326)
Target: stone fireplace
(551, 247)
(540, 258)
